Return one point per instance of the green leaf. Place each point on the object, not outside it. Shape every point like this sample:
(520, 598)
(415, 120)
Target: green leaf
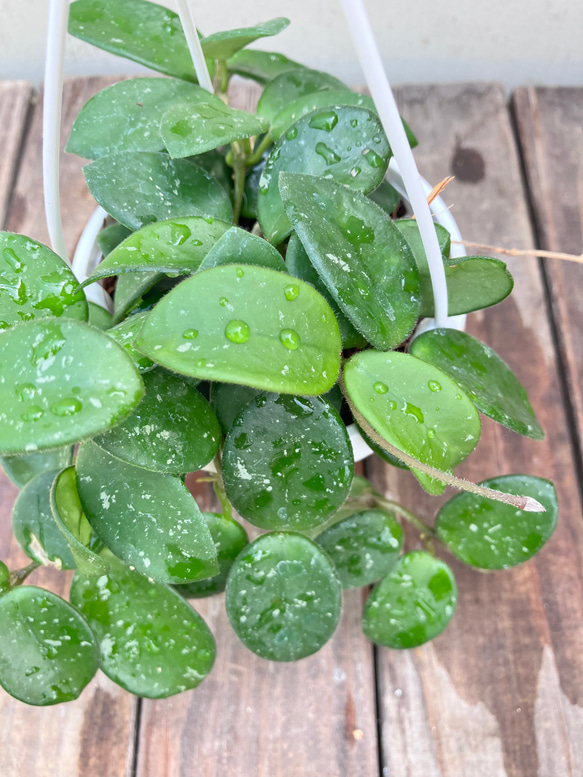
(482, 374)
(34, 527)
(251, 190)
(110, 237)
(148, 519)
(138, 30)
(298, 264)
(290, 85)
(173, 429)
(230, 538)
(127, 116)
(36, 283)
(214, 163)
(72, 523)
(364, 547)
(64, 381)
(287, 462)
(228, 400)
(176, 246)
(193, 129)
(237, 246)
(246, 325)
(383, 454)
(99, 317)
(48, 653)
(130, 287)
(261, 66)
(222, 45)
(474, 283)
(152, 642)
(22, 469)
(415, 407)
(412, 604)
(292, 112)
(359, 254)
(138, 188)
(490, 535)
(387, 198)
(410, 231)
(4, 577)
(344, 143)
(126, 333)
(283, 597)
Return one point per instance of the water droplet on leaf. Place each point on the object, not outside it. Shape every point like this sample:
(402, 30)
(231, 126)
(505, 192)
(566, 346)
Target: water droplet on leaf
(290, 339)
(237, 331)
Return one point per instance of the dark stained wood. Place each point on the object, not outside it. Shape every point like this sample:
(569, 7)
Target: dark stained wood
(94, 735)
(501, 691)
(15, 99)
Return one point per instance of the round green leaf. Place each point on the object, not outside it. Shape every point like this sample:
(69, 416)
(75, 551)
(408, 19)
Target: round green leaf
(410, 231)
(287, 462)
(230, 538)
(110, 237)
(246, 325)
(152, 642)
(313, 101)
(383, 454)
(416, 407)
(62, 382)
(237, 246)
(343, 143)
(4, 577)
(99, 317)
(491, 535)
(386, 197)
(363, 547)
(36, 283)
(48, 653)
(173, 429)
(222, 45)
(34, 527)
(359, 254)
(127, 116)
(130, 287)
(148, 519)
(261, 66)
(290, 85)
(482, 374)
(229, 400)
(126, 333)
(22, 469)
(412, 604)
(283, 597)
(140, 187)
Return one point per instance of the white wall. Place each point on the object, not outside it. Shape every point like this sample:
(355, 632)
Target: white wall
(513, 41)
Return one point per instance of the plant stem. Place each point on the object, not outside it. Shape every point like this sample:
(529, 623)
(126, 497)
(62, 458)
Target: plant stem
(259, 150)
(198, 60)
(239, 173)
(18, 576)
(219, 488)
(223, 73)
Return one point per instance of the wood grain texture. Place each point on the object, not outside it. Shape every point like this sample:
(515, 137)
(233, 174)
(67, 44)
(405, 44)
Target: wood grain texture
(500, 691)
(93, 735)
(15, 103)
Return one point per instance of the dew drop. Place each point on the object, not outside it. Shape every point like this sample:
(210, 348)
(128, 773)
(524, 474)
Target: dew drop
(380, 387)
(373, 158)
(434, 385)
(292, 133)
(182, 128)
(290, 339)
(223, 302)
(116, 392)
(329, 156)
(66, 407)
(201, 363)
(237, 331)
(25, 391)
(354, 122)
(240, 272)
(33, 413)
(291, 291)
(431, 433)
(325, 120)
(179, 234)
(413, 412)
(190, 334)
(392, 405)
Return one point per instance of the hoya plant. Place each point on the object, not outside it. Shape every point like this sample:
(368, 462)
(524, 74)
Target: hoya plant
(267, 284)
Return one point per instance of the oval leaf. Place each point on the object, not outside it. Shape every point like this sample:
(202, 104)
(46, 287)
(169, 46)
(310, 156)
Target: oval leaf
(359, 254)
(229, 400)
(290, 85)
(152, 642)
(48, 653)
(110, 237)
(139, 188)
(287, 462)
(147, 519)
(315, 101)
(130, 288)
(99, 317)
(283, 597)
(22, 469)
(410, 231)
(66, 382)
(246, 325)
(415, 407)
(412, 604)
(261, 66)
(490, 535)
(222, 45)
(126, 333)
(345, 143)
(387, 198)
(36, 283)
(482, 374)
(240, 247)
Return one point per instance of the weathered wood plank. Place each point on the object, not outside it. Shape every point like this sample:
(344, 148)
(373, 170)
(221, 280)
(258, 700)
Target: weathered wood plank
(501, 691)
(15, 98)
(95, 734)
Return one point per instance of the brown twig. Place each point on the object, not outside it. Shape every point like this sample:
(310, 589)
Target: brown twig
(522, 251)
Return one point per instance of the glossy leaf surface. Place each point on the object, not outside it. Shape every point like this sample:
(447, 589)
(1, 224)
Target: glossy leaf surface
(359, 254)
(138, 188)
(416, 407)
(343, 143)
(283, 597)
(237, 246)
(48, 653)
(110, 237)
(147, 519)
(386, 197)
(127, 116)
(251, 190)
(34, 527)
(410, 231)
(99, 317)
(287, 462)
(67, 381)
(246, 325)
(230, 538)
(313, 101)
(289, 86)
(173, 429)
(229, 400)
(223, 45)
(129, 289)
(22, 469)
(261, 66)
(152, 642)
(363, 547)
(412, 604)
(126, 333)
(36, 283)
(482, 374)
(491, 535)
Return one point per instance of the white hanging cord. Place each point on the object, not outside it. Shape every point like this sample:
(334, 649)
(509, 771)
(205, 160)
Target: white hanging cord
(194, 46)
(380, 89)
(52, 100)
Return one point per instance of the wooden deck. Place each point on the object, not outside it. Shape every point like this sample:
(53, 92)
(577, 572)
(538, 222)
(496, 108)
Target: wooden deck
(500, 693)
